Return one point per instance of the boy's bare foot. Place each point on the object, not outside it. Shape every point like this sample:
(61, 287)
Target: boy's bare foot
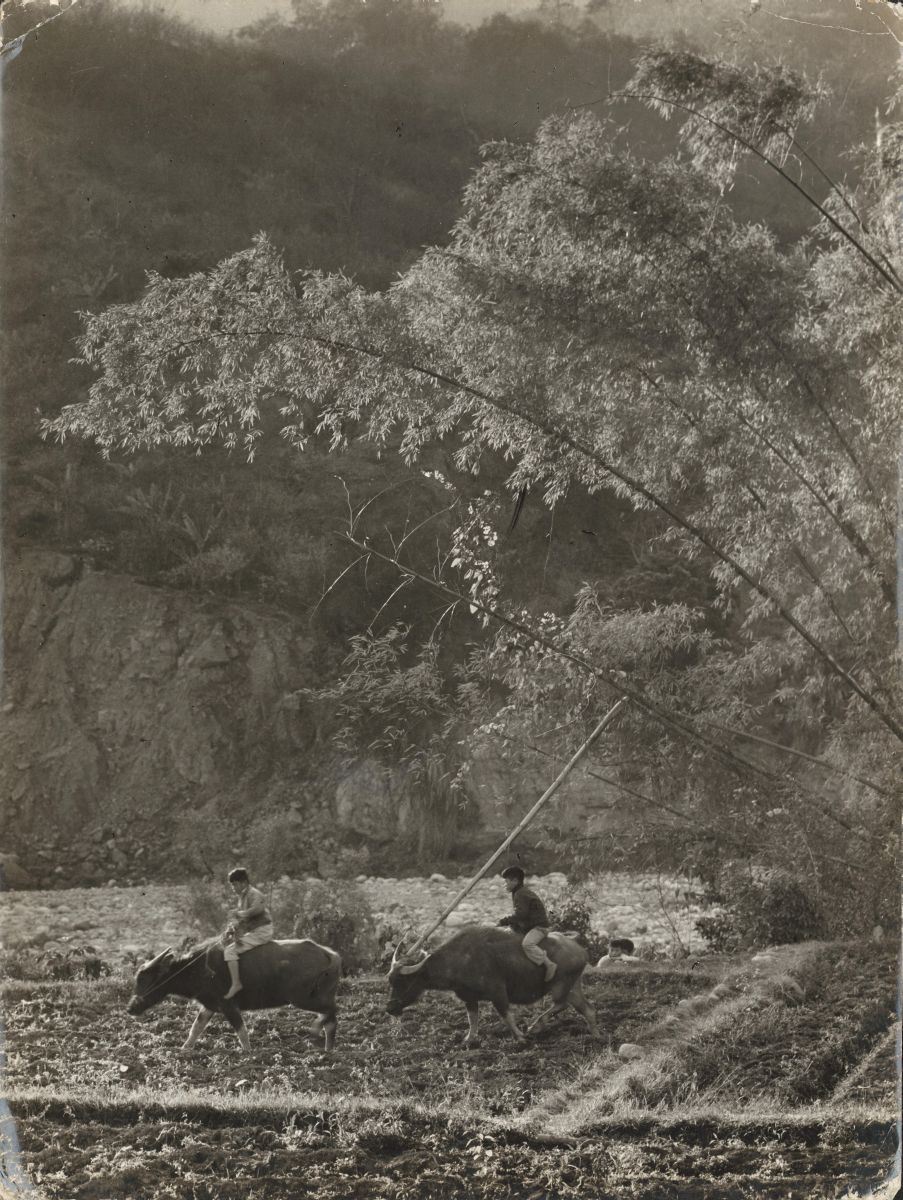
(236, 987)
(551, 968)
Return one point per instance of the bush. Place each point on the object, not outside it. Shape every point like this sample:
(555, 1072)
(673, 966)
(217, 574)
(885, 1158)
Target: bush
(762, 907)
(719, 932)
(572, 916)
(337, 915)
(206, 907)
(40, 966)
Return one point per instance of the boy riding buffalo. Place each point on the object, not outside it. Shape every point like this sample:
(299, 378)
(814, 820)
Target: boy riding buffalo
(251, 925)
(529, 919)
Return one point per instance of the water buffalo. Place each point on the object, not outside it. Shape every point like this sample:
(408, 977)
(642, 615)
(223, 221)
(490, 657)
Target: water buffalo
(298, 972)
(481, 962)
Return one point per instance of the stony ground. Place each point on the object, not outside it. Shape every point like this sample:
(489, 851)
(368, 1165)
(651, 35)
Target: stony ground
(121, 923)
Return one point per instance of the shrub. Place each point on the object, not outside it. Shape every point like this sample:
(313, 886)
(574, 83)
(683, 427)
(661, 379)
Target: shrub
(719, 932)
(390, 933)
(762, 906)
(337, 915)
(572, 916)
(40, 966)
(206, 907)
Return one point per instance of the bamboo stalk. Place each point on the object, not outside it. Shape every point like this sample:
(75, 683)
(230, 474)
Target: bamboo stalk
(547, 794)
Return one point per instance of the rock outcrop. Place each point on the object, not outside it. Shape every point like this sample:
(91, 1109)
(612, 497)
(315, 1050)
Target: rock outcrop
(139, 720)
(126, 705)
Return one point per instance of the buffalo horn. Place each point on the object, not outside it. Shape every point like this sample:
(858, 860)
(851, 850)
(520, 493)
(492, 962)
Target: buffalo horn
(399, 946)
(411, 968)
(153, 962)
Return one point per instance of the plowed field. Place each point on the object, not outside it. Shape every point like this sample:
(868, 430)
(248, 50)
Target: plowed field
(108, 1108)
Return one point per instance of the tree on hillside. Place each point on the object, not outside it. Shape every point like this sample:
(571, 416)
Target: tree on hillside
(605, 323)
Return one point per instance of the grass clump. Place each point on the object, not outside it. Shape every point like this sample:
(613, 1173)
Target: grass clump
(33, 965)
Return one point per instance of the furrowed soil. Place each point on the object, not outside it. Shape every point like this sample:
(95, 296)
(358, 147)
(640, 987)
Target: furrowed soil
(59, 1035)
(107, 1108)
(135, 1153)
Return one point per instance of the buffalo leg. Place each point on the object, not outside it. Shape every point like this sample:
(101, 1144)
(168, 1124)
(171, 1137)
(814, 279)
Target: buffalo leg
(200, 1023)
(577, 1000)
(325, 1025)
(500, 1004)
(232, 1013)
(472, 1037)
(558, 994)
(328, 1024)
(549, 1012)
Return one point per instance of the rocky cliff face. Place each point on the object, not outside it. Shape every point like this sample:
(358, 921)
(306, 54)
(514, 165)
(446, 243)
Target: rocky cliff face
(126, 705)
(135, 718)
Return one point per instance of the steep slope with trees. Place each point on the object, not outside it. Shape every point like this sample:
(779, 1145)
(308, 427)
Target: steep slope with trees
(602, 330)
(605, 323)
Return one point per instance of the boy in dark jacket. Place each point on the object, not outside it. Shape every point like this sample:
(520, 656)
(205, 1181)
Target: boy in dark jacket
(529, 919)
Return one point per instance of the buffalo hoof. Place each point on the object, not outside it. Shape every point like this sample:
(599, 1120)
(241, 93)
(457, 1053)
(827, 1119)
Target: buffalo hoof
(472, 1043)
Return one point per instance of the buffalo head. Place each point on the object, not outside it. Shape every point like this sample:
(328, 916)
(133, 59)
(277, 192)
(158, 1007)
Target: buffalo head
(151, 981)
(407, 982)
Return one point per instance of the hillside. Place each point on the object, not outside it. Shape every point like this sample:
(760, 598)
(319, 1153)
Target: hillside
(135, 145)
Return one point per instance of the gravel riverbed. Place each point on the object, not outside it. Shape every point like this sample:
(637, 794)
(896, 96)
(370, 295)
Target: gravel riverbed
(119, 923)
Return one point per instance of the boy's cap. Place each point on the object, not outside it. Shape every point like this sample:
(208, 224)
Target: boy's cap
(624, 944)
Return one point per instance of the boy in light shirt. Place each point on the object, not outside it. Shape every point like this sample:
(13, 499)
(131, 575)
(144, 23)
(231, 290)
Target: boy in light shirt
(251, 925)
(619, 950)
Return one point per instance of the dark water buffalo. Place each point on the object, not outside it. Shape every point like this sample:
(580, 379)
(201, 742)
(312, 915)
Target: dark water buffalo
(482, 962)
(301, 973)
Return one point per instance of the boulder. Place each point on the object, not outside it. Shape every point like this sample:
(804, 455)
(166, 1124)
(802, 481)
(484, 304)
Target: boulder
(13, 875)
(630, 1051)
(368, 801)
